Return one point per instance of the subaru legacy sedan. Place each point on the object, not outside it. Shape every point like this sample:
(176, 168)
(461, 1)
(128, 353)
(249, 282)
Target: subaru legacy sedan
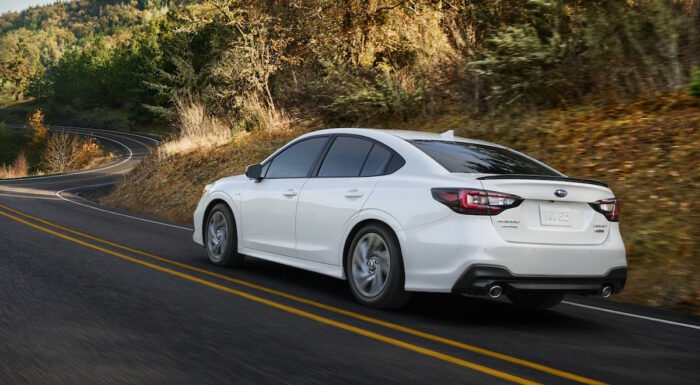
(395, 212)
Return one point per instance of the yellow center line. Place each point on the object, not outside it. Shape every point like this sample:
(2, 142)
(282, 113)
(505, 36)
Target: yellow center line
(333, 309)
(287, 308)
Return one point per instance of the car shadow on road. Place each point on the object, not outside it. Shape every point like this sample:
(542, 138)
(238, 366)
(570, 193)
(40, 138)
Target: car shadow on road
(431, 308)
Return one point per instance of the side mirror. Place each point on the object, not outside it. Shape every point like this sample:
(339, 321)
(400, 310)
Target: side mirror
(254, 171)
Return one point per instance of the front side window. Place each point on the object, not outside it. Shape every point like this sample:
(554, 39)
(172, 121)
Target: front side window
(296, 160)
(345, 158)
(480, 158)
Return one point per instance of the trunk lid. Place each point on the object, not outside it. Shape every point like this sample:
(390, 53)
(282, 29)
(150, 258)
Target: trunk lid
(544, 217)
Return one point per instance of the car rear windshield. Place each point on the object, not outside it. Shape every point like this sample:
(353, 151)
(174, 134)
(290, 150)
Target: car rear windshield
(480, 158)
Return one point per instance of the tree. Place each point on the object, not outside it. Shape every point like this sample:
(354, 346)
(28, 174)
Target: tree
(252, 53)
(36, 126)
(59, 153)
(18, 62)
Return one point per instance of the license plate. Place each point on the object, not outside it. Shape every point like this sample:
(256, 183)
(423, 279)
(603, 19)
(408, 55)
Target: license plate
(554, 216)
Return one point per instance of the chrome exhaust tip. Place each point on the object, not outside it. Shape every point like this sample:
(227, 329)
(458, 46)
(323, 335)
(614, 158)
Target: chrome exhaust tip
(495, 291)
(606, 291)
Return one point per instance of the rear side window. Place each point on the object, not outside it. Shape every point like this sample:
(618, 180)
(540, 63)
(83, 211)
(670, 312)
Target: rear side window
(345, 158)
(480, 158)
(296, 160)
(377, 161)
(396, 163)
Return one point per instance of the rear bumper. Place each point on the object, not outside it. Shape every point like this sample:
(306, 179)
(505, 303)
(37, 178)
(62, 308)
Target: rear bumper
(477, 279)
(438, 255)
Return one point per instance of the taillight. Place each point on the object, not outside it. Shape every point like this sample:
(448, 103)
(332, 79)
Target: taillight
(475, 202)
(608, 207)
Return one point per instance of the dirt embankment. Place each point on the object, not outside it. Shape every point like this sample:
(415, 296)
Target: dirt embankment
(647, 150)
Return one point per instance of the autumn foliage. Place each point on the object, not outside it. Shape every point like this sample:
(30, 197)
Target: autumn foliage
(37, 128)
(65, 152)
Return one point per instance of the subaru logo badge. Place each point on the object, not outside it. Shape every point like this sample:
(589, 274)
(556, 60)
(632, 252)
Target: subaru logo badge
(561, 193)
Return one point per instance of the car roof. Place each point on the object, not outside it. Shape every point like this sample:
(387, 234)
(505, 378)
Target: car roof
(403, 134)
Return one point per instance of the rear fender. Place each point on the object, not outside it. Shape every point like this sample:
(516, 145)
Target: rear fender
(366, 215)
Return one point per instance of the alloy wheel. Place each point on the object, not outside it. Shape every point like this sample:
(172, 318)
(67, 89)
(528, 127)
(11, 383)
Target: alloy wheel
(371, 262)
(217, 236)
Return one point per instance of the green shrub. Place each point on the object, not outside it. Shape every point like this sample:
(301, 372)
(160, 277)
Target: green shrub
(553, 53)
(519, 65)
(695, 83)
(354, 96)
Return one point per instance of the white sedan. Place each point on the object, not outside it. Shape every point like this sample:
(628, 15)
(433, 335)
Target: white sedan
(395, 212)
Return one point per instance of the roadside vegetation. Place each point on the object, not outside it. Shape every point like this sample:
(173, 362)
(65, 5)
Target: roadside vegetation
(599, 89)
(645, 149)
(32, 150)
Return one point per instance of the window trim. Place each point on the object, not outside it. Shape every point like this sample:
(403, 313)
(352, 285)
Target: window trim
(323, 151)
(374, 142)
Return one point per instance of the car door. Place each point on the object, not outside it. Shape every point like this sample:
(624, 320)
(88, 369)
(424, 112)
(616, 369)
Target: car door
(344, 181)
(268, 206)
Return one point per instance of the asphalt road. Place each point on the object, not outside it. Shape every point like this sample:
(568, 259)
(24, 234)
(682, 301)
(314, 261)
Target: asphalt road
(91, 295)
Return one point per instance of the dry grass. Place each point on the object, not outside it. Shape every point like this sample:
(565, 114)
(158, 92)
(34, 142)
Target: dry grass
(18, 169)
(647, 150)
(197, 130)
(257, 117)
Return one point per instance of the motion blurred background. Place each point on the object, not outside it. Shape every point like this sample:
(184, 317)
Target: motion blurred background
(598, 89)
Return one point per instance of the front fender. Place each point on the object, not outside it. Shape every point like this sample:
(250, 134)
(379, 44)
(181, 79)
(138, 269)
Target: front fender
(233, 202)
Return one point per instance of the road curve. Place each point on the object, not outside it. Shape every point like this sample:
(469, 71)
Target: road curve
(93, 295)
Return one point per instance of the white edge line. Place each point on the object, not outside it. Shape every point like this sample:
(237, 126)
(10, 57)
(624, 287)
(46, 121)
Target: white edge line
(111, 132)
(82, 131)
(697, 327)
(16, 125)
(58, 194)
(131, 154)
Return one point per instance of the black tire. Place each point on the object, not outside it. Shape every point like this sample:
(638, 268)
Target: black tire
(392, 295)
(535, 300)
(228, 254)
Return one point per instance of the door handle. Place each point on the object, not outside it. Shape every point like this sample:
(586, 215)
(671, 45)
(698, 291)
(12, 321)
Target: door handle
(353, 193)
(290, 193)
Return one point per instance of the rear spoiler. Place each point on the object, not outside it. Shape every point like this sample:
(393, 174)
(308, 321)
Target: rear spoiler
(544, 177)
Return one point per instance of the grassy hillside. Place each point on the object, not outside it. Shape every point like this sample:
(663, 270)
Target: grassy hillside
(647, 150)
(551, 78)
